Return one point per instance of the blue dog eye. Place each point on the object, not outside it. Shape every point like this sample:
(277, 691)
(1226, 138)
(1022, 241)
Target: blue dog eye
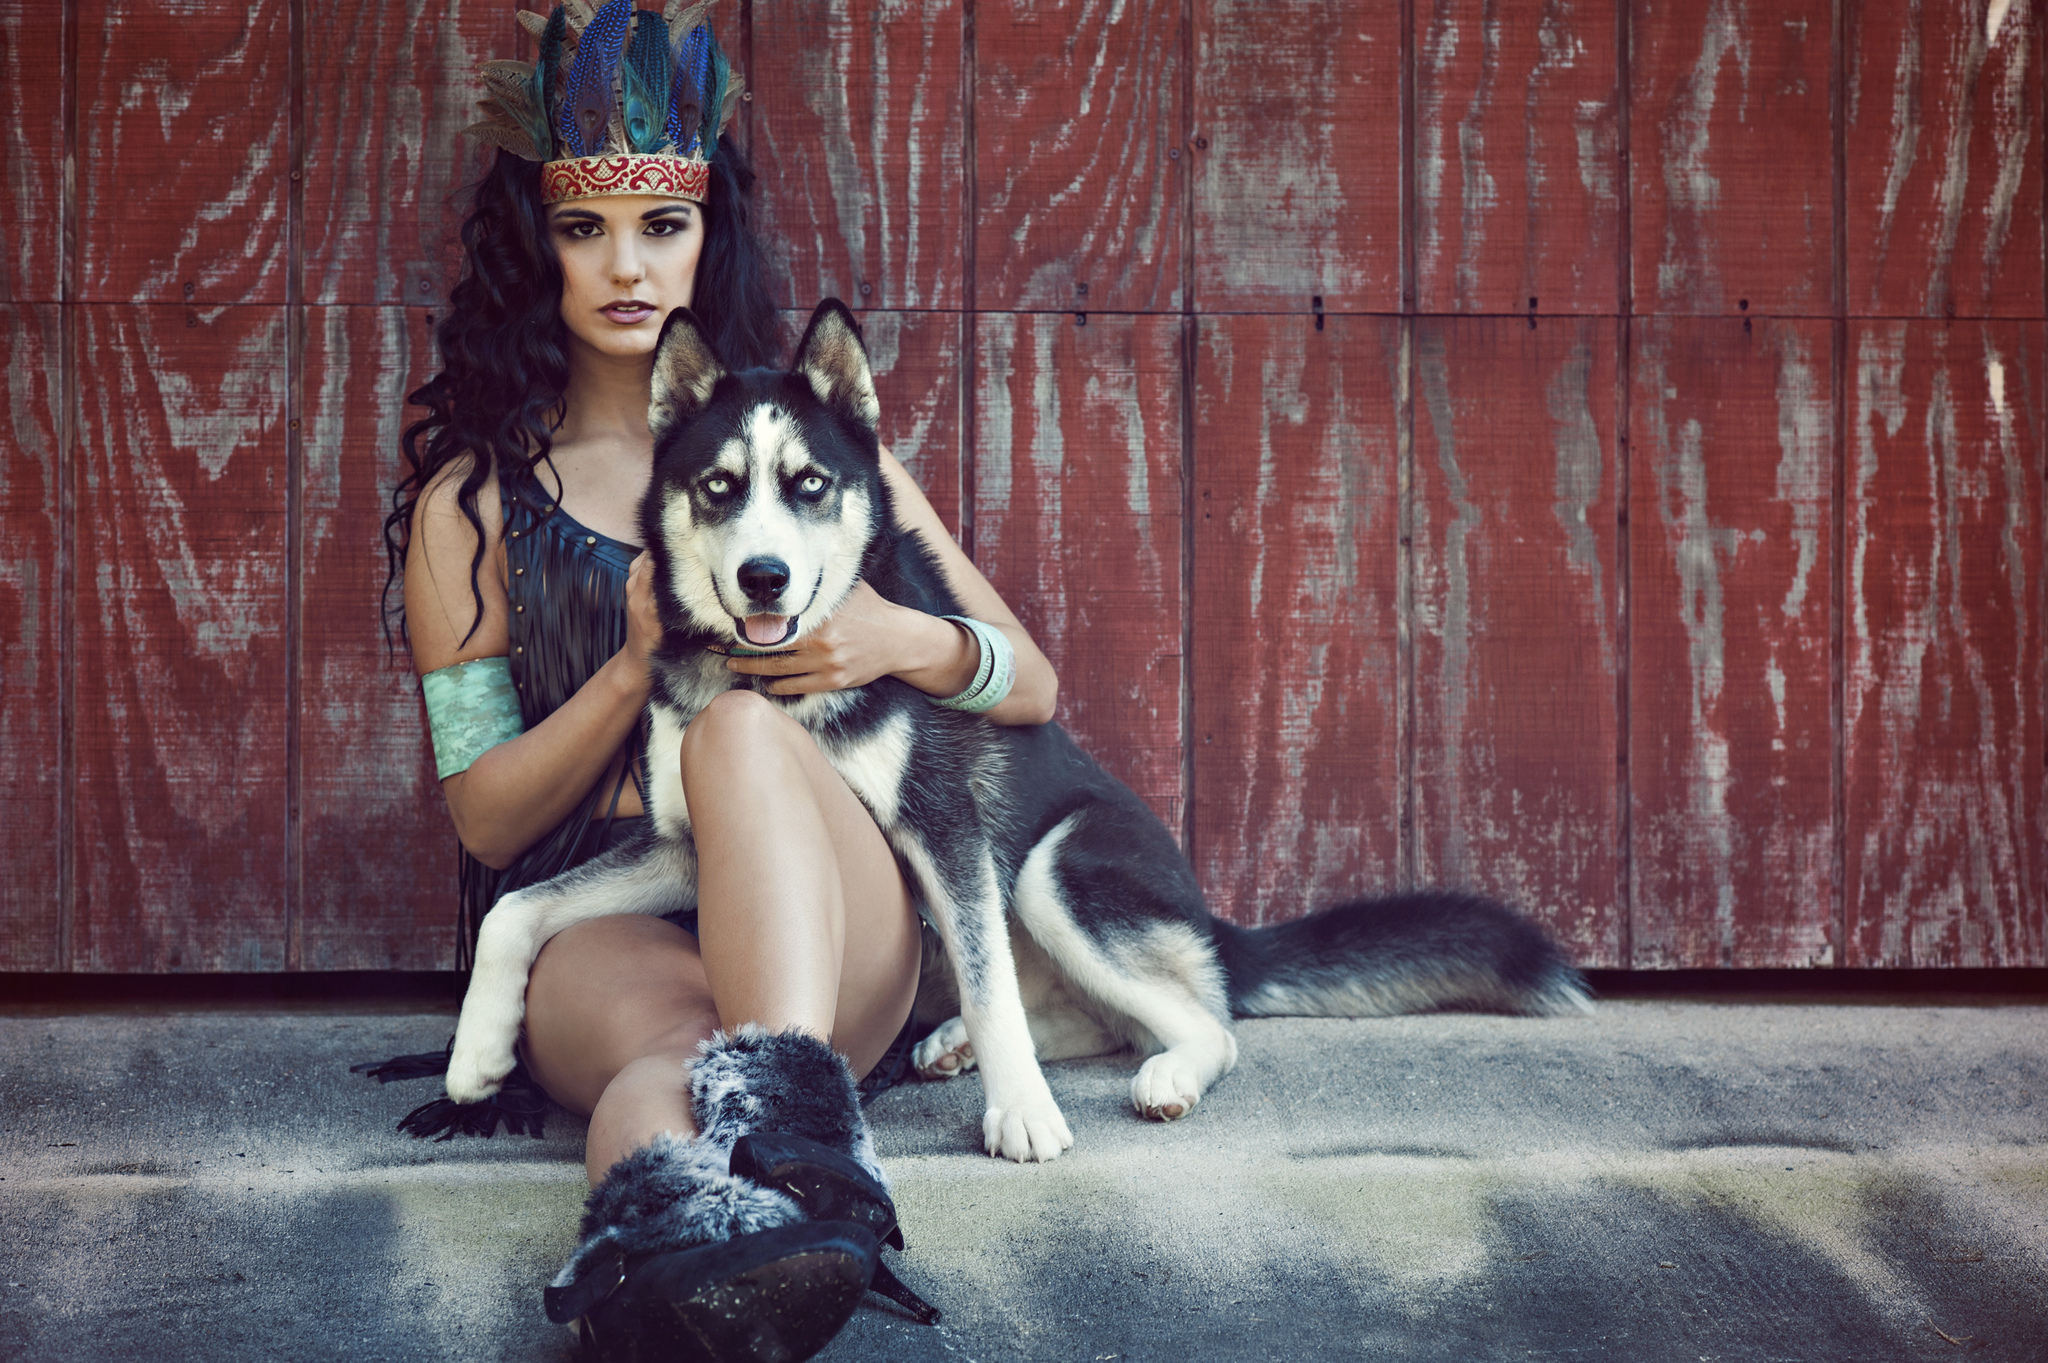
(811, 486)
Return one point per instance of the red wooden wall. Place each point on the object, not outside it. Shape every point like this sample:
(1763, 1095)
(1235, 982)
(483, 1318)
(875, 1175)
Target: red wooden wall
(1591, 450)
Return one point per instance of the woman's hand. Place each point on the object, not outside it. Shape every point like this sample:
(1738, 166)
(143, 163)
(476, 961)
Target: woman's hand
(866, 638)
(643, 620)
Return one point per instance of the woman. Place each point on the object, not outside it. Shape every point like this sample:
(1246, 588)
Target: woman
(516, 527)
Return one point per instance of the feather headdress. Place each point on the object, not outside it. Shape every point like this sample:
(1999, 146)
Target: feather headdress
(619, 100)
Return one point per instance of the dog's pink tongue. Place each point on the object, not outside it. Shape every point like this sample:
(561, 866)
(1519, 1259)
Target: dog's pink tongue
(766, 629)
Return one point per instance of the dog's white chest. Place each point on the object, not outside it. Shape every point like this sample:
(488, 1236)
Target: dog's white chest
(873, 764)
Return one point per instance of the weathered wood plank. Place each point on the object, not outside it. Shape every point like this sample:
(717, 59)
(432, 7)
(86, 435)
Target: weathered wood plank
(1945, 655)
(184, 139)
(858, 138)
(1944, 161)
(1294, 656)
(1731, 157)
(1730, 743)
(1517, 158)
(181, 615)
(32, 106)
(384, 168)
(1079, 168)
(1297, 157)
(1077, 506)
(379, 851)
(1515, 620)
(31, 645)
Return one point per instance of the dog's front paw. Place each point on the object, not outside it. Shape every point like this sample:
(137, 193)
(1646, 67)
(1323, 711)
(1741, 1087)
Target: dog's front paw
(1031, 1130)
(946, 1053)
(476, 1071)
(1165, 1089)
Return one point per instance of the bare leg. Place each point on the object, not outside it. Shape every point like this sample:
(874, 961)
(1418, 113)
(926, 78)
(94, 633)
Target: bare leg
(804, 921)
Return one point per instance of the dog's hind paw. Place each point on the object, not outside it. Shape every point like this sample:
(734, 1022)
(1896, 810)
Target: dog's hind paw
(477, 1072)
(1165, 1089)
(1033, 1131)
(945, 1054)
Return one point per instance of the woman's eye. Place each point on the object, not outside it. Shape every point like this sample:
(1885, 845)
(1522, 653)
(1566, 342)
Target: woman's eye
(811, 486)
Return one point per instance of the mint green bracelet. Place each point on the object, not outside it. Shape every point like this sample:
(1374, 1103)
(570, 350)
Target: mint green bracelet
(994, 675)
(472, 707)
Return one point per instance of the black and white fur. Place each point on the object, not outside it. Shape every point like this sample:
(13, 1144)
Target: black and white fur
(1071, 924)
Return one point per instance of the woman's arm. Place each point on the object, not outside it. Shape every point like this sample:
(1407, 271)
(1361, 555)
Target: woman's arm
(869, 637)
(515, 792)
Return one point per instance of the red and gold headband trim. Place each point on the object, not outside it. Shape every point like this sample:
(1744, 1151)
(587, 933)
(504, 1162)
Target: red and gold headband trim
(591, 177)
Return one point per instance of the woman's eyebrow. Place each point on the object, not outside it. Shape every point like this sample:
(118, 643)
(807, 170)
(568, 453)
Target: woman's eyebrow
(577, 215)
(651, 214)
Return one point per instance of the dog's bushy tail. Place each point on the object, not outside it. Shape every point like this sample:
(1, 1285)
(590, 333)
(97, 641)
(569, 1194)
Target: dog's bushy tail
(1420, 952)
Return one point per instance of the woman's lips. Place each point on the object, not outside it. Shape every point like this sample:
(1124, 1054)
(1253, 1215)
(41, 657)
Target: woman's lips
(629, 314)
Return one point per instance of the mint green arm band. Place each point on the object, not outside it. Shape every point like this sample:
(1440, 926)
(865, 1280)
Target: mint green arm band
(472, 707)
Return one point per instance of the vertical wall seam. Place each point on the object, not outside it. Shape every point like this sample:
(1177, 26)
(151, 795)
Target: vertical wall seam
(64, 400)
(970, 191)
(1838, 528)
(746, 110)
(1404, 476)
(1189, 339)
(295, 484)
(1624, 489)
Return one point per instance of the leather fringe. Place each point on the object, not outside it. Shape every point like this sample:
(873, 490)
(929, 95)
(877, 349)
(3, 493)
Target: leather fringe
(520, 1106)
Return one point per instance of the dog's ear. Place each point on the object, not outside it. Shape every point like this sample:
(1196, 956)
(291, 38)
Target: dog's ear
(686, 369)
(835, 362)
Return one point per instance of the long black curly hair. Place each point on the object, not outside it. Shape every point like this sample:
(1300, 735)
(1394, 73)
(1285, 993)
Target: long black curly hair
(504, 347)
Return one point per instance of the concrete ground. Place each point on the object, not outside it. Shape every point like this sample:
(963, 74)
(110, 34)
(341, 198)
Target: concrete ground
(1664, 1180)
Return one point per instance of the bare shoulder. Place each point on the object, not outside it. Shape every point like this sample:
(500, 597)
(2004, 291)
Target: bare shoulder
(455, 606)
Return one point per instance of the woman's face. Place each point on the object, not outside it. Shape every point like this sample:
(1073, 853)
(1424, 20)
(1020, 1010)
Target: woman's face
(628, 260)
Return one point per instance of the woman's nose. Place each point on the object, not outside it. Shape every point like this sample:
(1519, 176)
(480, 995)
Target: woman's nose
(626, 267)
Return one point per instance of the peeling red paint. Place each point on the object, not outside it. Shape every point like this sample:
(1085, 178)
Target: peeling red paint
(1730, 739)
(1515, 619)
(180, 786)
(1516, 158)
(1945, 854)
(1077, 514)
(1296, 503)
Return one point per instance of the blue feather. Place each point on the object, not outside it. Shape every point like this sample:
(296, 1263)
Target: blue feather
(686, 104)
(587, 108)
(647, 83)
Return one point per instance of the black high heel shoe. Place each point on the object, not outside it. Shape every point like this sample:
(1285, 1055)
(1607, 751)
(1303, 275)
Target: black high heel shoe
(774, 1296)
(829, 1187)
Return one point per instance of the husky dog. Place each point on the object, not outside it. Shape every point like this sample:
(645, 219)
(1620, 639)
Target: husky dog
(1042, 874)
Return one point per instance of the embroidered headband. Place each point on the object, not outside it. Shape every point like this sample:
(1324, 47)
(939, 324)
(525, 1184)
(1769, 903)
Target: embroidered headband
(620, 100)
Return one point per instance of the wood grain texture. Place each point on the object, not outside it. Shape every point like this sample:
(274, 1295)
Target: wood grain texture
(181, 612)
(1298, 188)
(384, 169)
(1517, 157)
(31, 644)
(1077, 506)
(1515, 620)
(917, 359)
(1077, 105)
(859, 133)
(1730, 742)
(1944, 161)
(1945, 683)
(184, 138)
(32, 107)
(1731, 156)
(1294, 656)
(378, 888)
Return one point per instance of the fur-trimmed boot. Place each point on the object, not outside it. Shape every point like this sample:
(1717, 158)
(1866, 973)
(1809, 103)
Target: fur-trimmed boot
(786, 1106)
(680, 1258)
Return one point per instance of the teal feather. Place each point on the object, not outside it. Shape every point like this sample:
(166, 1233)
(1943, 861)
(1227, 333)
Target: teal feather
(545, 73)
(647, 83)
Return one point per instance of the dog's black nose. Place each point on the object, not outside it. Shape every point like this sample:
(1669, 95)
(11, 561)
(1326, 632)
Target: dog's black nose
(763, 579)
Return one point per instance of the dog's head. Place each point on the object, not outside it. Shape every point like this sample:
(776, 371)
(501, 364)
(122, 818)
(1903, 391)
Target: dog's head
(767, 488)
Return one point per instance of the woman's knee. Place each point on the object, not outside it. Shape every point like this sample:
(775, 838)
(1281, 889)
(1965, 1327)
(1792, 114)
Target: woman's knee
(734, 731)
